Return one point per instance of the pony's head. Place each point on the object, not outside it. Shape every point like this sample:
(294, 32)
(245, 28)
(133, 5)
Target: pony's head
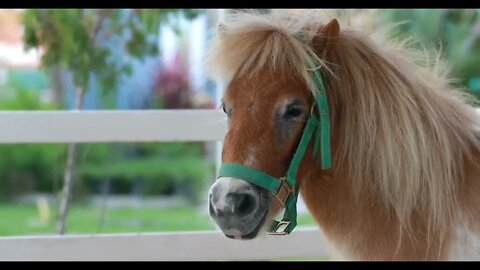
(269, 97)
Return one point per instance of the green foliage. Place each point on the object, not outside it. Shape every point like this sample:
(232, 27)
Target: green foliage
(71, 38)
(23, 99)
(455, 32)
(161, 168)
(28, 167)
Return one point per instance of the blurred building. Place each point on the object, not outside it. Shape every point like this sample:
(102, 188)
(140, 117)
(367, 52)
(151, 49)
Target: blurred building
(12, 54)
(18, 66)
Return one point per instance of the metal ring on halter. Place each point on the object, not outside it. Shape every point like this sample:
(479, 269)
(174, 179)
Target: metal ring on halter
(276, 230)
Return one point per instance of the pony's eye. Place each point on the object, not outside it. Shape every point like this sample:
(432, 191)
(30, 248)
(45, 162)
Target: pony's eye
(224, 110)
(293, 111)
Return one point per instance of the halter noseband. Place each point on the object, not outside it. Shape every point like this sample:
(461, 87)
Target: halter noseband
(283, 189)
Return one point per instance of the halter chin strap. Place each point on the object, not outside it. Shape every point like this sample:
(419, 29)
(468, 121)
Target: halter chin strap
(283, 189)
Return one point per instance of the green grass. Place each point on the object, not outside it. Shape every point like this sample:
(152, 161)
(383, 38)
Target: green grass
(17, 219)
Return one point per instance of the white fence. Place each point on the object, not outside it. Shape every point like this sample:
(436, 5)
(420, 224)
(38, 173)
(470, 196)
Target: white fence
(162, 246)
(139, 126)
(111, 126)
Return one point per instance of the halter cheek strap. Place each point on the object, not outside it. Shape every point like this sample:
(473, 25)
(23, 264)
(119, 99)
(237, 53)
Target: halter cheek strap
(283, 189)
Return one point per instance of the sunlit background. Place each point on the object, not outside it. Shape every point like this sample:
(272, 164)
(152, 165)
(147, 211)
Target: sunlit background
(141, 60)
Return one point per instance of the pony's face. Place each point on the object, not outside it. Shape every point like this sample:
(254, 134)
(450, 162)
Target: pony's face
(266, 115)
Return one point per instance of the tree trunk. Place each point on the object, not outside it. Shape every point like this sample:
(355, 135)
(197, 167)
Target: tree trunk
(57, 85)
(69, 171)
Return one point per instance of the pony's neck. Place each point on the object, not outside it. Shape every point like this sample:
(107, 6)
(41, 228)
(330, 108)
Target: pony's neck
(363, 228)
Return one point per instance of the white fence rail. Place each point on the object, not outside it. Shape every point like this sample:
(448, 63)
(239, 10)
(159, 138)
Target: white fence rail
(111, 126)
(138, 126)
(198, 246)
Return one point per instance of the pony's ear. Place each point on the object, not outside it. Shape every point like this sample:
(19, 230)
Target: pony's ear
(327, 37)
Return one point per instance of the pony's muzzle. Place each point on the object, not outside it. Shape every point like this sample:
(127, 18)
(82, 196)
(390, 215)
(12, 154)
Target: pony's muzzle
(237, 207)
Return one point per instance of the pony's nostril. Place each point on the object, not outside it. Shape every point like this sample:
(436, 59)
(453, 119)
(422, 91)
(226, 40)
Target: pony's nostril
(246, 205)
(243, 203)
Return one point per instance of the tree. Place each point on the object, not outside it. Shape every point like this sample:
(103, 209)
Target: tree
(73, 39)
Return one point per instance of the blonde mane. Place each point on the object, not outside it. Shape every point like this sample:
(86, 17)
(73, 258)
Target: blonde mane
(403, 133)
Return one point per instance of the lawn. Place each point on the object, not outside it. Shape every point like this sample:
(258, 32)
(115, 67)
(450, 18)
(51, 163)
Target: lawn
(22, 219)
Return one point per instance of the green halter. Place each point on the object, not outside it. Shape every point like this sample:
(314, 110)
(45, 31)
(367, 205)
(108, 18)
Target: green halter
(283, 189)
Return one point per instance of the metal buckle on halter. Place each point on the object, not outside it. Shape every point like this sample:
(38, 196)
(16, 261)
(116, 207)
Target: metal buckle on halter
(280, 225)
(312, 109)
(283, 192)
